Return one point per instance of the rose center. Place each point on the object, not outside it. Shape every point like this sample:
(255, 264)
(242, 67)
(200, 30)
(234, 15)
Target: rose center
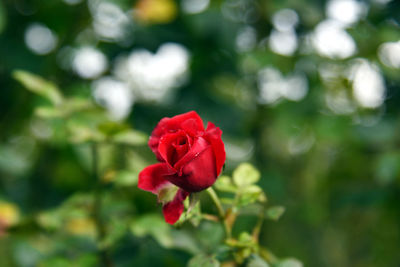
(181, 141)
(180, 148)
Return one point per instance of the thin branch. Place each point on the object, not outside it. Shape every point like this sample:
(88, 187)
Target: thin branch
(221, 211)
(210, 217)
(257, 228)
(260, 221)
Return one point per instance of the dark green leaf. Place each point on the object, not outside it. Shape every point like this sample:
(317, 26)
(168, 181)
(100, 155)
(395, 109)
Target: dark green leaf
(274, 213)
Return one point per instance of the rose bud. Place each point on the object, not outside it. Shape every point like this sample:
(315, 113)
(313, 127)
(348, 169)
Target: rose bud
(191, 158)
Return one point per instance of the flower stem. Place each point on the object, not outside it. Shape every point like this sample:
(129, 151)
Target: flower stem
(257, 228)
(221, 211)
(260, 221)
(101, 231)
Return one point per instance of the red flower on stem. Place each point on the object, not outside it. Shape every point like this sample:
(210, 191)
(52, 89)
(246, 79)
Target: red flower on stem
(191, 158)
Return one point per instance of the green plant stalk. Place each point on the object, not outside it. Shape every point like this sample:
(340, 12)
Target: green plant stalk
(257, 228)
(221, 212)
(104, 257)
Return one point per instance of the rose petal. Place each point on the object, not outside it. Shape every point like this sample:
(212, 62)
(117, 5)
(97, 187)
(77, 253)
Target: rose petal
(213, 136)
(153, 177)
(176, 122)
(198, 146)
(170, 150)
(154, 139)
(197, 171)
(200, 173)
(191, 121)
(173, 210)
(191, 127)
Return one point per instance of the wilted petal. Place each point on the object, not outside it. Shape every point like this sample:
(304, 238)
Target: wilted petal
(173, 210)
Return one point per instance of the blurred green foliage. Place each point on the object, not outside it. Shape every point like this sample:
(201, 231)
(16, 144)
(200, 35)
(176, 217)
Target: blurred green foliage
(320, 125)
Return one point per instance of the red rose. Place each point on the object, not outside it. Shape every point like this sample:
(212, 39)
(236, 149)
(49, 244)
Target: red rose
(190, 156)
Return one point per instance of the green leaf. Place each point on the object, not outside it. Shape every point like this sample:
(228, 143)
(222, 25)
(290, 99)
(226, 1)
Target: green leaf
(76, 104)
(48, 112)
(40, 86)
(81, 132)
(193, 200)
(227, 201)
(117, 228)
(155, 226)
(250, 194)
(256, 261)
(193, 212)
(111, 128)
(49, 220)
(245, 174)
(210, 235)
(274, 213)
(67, 107)
(289, 262)
(126, 178)
(131, 137)
(252, 209)
(122, 134)
(185, 240)
(203, 261)
(245, 239)
(77, 206)
(224, 184)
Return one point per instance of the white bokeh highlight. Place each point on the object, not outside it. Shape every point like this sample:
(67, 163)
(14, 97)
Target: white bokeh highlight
(89, 63)
(152, 76)
(389, 54)
(114, 95)
(283, 39)
(110, 23)
(368, 84)
(331, 40)
(346, 12)
(273, 86)
(283, 43)
(194, 6)
(40, 39)
(285, 20)
(246, 39)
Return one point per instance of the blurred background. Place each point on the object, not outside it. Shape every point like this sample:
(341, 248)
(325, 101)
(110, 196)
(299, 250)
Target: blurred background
(308, 91)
